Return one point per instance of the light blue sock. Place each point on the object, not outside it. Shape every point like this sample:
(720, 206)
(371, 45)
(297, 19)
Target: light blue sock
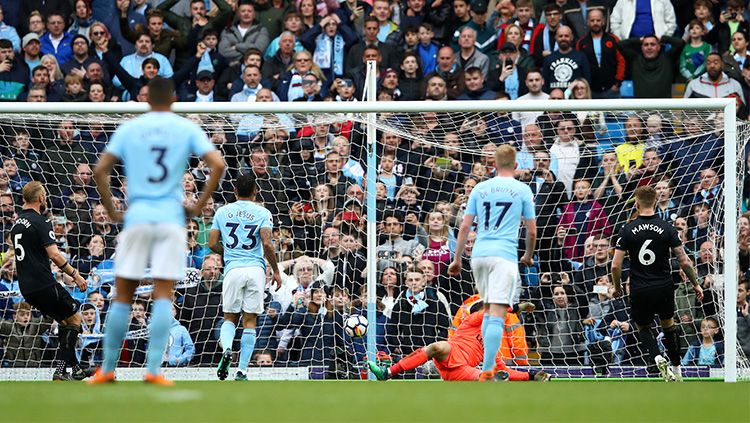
(118, 320)
(485, 321)
(226, 335)
(248, 345)
(492, 338)
(158, 334)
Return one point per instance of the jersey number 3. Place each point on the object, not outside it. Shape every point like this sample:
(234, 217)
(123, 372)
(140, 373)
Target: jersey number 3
(235, 240)
(160, 153)
(488, 208)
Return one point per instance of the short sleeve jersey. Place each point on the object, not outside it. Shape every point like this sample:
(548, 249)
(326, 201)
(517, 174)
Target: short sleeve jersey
(31, 234)
(648, 241)
(154, 150)
(499, 204)
(240, 224)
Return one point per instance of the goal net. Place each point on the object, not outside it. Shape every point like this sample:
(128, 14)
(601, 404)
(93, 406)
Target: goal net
(312, 173)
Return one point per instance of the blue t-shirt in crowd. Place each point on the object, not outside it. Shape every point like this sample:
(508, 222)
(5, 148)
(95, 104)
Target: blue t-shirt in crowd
(155, 149)
(240, 223)
(498, 205)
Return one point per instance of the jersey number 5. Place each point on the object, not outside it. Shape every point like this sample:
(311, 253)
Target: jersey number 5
(20, 252)
(250, 236)
(488, 208)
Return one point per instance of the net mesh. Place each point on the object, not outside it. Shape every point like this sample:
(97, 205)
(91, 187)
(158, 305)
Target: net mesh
(311, 171)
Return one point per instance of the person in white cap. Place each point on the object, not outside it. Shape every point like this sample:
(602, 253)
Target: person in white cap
(31, 50)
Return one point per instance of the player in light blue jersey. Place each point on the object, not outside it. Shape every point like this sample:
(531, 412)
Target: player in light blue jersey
(242, 232)
(154, 149)
(497, 207)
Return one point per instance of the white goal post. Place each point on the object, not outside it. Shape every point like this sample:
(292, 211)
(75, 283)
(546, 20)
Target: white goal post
(373, 109)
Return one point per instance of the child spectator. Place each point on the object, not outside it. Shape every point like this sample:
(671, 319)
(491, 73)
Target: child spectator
(439, 240)
(693, 57)
(181, 348)
(410, 80)
(702, 13)
(582, 218)
(74, 89)
(705, 351)
(427, 49)
(386, 176)
(698, 226)
(23, 340)
(89, 351)
(410, 40)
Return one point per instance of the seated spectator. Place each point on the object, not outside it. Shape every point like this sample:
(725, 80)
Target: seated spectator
(290, 83)
(181, 346)
(309, 13)
(56, 41)
(582, 218)
(246, 34)
(468, 56)
(90, 352)
(81, 59)
(198, 23)
(201, 311)
(24, 337)
(16, 179)
(311, 314)
(13, 73)
(252, 84)
(41, 78)
(284, 48)
(94, 255)
(35, 23)
(705, 351)
(133, 64)
(395, 248)
(74, 91)
(474, 83)
(31, 50)
(698, 226)
(418, 318)
(82, 19)
(100, 36)
(451, 74)
(716, 84)
(666, 208)
(606, 327)
(560, 331)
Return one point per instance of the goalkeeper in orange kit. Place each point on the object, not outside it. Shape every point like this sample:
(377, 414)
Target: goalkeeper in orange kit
(457, 358)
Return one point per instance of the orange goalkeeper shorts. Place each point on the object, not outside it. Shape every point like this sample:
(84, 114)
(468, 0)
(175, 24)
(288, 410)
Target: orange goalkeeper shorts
(456, 367)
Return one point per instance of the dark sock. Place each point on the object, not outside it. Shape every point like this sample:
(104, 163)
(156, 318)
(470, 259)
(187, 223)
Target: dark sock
(672, 344)
(647, 339)
(59, 366)
(68, 337)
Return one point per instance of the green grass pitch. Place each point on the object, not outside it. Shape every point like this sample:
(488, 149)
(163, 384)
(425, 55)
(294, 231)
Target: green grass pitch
(332, 401)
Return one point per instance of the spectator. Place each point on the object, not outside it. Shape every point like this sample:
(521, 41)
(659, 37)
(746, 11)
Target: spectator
(195, 26)
(606, 327)
(82, 19)
(163, 41)
(576, 14)
(290, 82)
(381, 10)
(276, 65)
(81, 59)
(201, 311)
(743, 316)
(603, 55)
(651, 66)
(31, 49)
(392, 251)
(468, 55)
(252, 84)
(573, 158)
(582, 218)
(247, 33)
(560, 331)
(8, 32)
(695, 52)
(418, 317)
(563, 66)
(61, 157)
(100, 36)
(609, 185)
(292, 25)
(144, 49)
(474, 83)
(534, 82)
(35, 23)
(181, 346)
(46, 8)
(716, 84)
(329, 41)
(13, 73)
(507, 74)
(705, 351)
(637, 19)
(94, 255)
(24, 337)
(731, 20)
(56, 41)
(543, 40)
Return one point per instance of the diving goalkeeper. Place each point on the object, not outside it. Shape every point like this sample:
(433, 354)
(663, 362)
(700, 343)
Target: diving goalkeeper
(456, 359)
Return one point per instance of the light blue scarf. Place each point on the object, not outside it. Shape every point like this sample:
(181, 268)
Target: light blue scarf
(418, 304)
(329, 53)
(205, 63)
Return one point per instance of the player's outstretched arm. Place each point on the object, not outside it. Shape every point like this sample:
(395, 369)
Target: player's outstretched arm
(102, 175)
(56, 256)
(687, 267)
(214, 241)
(216, 166)
(528, 256)
(617, 260)
(270, 254)
(463, 234)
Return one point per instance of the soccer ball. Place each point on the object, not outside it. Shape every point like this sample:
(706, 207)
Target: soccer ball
(355, 326)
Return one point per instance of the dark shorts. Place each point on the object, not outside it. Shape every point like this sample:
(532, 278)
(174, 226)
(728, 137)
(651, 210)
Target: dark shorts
(54, 302)
(645, 304)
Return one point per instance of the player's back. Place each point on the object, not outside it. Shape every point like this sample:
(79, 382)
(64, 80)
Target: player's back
(499, 204)
(469, 337)
(30, 234)
(154, 150)
(240, 223)
(648, 241)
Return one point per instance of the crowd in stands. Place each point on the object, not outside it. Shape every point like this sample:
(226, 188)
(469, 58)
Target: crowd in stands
(582, 167)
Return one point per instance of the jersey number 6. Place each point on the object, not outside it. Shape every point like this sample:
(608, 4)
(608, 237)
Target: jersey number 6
(646, 256)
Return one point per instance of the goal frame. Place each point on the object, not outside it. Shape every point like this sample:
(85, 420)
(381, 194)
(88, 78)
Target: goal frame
(372, 108)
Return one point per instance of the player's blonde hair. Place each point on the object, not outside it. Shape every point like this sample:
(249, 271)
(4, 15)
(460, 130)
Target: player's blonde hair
(32, 191)
(646, 196)
(505, 157)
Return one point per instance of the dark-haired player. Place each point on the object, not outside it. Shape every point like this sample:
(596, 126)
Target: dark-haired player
(34, 243)
(154, 149)
(648, 241)
(242, 232)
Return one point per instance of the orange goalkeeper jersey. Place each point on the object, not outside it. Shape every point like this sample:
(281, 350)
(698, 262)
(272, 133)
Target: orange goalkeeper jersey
(513, 348)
